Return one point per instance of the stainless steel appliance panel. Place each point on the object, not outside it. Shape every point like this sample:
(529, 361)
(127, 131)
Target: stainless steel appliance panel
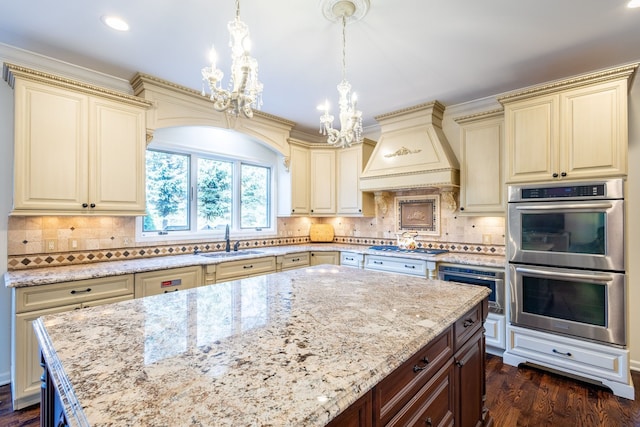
(585, 304)
(491, 278)
(579, 234)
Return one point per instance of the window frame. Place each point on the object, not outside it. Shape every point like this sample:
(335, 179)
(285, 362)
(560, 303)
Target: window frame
(236, 232)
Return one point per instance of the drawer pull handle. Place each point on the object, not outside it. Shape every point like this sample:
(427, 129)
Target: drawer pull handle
(377, 262)
(175, 290)
(468, 323)
(73, 292)
(417, 368)
(409, 266)
(349, 259)
(428, 422)
(295, 260)
(561, 353)
(459, 364)
(247, 266)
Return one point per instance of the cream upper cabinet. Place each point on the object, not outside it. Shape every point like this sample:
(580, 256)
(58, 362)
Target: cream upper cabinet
(78, 149)
(299, 170)
(482, 189)
(571, 129)
(323, 181)
(349, 164)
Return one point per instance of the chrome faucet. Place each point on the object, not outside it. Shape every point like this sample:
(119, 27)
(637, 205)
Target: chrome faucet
(227, 247)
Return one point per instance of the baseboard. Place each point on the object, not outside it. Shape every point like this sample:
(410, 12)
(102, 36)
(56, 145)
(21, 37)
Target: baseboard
(634, 365)
(5, 378)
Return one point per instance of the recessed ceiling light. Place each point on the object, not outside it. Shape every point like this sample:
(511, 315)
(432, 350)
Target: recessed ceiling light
(115, 22)
(633, 3)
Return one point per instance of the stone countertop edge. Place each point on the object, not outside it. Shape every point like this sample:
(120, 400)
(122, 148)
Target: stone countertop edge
(454, 301)
(51, 275)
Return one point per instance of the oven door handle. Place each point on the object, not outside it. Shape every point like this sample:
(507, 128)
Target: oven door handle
(565, 207)
(473, 276)
(597, 277)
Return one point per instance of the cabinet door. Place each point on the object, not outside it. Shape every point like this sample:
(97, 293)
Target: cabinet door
(349, 165)
(481, 175)
(469, 382)
(318, 258)
(323, 181)
(25, 381)
(532, 133)
(299, 180)
(594, 130)
(26, 368)
(116, 157)
(50, 148)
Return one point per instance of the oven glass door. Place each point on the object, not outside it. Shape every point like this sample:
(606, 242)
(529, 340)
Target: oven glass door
(581, 303)
(569, 234)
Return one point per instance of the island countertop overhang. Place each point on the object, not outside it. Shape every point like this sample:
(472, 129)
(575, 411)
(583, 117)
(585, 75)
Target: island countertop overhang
(289, 348)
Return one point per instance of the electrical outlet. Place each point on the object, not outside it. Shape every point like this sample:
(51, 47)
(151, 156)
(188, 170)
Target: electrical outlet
(73, 244)
(486, 239)
(50, 245)
(126, 241)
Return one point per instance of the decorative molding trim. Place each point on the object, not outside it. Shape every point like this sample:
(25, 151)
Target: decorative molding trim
(497, 113)
(403, 151)
(617, 73)
(11, 71)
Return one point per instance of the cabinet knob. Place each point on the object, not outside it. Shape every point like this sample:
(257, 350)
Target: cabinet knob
(293, 210)
(92, 205)
(461, 208)
(555, 175)
(563, 174)
(311, 210)
(85, 205)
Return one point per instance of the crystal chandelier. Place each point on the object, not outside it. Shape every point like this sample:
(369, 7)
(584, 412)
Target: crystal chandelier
(245, 90)
(350, 131)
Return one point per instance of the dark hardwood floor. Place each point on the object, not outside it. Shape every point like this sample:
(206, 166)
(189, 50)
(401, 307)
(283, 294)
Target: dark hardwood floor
(521, 396)
(526, 396)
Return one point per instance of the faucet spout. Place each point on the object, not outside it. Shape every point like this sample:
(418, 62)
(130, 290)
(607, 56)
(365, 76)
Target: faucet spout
(227, 247)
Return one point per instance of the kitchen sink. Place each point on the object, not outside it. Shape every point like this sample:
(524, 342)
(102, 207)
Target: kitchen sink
(230, 254)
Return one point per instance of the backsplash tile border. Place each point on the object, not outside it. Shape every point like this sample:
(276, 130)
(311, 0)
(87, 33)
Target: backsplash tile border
(24, 262)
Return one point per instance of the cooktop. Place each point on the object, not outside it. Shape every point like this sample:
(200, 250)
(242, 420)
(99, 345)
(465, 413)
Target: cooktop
(390, 248)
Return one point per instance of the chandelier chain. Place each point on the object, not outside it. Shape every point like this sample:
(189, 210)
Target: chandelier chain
(344, 47)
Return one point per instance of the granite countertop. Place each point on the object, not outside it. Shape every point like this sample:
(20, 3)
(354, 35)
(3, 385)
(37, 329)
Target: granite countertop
(291, 348)
(49, 275)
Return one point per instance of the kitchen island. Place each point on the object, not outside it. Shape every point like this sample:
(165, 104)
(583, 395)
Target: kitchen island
(293, 348)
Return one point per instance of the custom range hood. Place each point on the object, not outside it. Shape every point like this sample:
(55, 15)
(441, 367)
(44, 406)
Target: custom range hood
(412, 152)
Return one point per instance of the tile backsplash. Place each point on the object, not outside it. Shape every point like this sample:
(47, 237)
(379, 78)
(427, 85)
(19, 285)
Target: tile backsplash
(50, 241)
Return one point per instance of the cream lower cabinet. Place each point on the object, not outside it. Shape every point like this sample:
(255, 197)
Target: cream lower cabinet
(292, 261)
(165, 281)
(482, 189)
(329, 257)
(78, 149)
(568, 130)
(31, 302)
(240, 269)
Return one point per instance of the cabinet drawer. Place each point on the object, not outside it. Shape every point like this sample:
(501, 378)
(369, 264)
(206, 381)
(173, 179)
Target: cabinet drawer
(67, 293)
(433, 405)
(297, 260)
(564, 353)
(467, 325)
(402, 384)
(231, 270)
(414, 267)
(165, 281)
(351, 259)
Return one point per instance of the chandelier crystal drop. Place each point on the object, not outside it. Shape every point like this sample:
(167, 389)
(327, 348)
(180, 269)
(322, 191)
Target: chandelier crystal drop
(244, 91)
(350, 131)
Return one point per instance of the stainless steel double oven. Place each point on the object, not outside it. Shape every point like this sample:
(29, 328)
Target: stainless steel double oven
(565, 248)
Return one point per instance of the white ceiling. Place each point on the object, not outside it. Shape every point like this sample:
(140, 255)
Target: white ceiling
(402, 53)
